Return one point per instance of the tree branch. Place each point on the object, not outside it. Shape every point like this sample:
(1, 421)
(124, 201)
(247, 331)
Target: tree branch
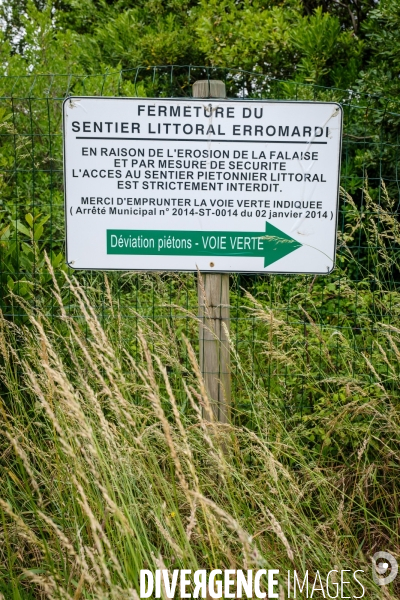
(353, 19)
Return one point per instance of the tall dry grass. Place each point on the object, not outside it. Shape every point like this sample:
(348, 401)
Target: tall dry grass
(109, 467)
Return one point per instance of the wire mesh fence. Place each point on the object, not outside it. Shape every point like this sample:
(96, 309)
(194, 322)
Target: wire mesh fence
(326, 315)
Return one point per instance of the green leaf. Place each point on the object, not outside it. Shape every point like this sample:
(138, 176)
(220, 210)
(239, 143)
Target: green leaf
(23, 229)
(39, 228)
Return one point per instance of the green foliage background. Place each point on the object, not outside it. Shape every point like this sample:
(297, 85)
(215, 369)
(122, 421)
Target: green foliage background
(353, 44)
(284, 50)
(315, 360)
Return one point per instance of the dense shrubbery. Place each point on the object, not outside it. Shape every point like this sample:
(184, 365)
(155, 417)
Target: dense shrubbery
(319, 42)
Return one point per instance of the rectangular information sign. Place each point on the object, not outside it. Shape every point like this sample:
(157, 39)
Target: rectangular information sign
(218, 185)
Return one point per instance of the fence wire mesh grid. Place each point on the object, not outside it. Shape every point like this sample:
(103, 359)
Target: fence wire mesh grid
(321, 325)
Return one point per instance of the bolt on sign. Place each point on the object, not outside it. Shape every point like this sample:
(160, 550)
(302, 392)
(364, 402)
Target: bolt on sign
(215, 185)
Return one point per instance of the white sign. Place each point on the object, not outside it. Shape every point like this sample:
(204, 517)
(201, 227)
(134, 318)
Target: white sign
(218, 185)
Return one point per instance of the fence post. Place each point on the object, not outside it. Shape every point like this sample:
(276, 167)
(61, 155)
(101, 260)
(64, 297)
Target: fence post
(213, 297)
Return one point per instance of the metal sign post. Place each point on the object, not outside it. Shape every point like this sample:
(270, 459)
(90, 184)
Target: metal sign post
(214, 312)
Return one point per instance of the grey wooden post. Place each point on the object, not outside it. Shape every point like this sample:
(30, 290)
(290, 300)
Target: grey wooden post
(213, 295)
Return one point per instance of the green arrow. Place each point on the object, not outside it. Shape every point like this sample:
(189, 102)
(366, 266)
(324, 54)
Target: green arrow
(271, 245)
